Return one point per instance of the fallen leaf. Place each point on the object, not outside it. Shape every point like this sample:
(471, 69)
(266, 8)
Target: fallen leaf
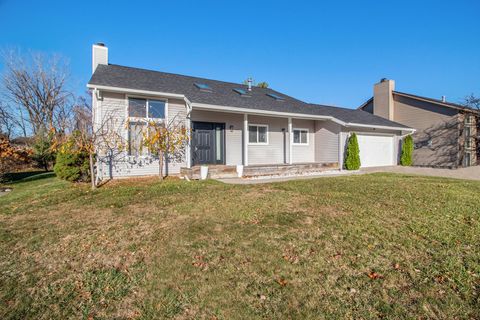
(282, 282)
(373, 275)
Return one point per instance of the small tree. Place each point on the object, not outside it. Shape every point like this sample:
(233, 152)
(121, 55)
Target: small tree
(72, 162)
(406, 158)
(165, 140)
(352, 158)
(42, 152)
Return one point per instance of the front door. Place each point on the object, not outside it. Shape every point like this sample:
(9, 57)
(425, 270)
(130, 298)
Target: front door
(208, 143)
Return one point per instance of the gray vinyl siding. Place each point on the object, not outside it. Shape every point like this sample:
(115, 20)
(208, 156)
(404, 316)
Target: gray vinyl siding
(304, 153)
(276, 151)
(326, 141)
(233, 137)
(437, 135)
(113, 108)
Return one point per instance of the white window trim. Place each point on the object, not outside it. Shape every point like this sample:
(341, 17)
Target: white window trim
(140, 119)
(146, 118)
(258, 125)
(300, 143)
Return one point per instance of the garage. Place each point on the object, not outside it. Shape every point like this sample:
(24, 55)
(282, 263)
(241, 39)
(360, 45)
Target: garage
(376, 150)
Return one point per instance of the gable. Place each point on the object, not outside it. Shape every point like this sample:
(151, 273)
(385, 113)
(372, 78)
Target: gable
(420, 114)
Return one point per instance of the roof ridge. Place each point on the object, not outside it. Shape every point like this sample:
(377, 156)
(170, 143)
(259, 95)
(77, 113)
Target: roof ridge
(191, 77)
(432, 99)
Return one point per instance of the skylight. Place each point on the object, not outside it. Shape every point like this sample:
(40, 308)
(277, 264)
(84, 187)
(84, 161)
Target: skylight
(203, 86)
(241, 92)
(275, 96)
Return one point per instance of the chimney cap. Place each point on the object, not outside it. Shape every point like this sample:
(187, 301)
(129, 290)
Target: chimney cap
(100, 44)
(383, 79)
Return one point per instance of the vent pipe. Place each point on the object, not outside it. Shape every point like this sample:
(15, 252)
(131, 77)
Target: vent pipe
(249, 82)
(444, 99)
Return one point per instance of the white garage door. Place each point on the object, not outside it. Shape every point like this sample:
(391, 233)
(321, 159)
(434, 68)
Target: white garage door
(375, 151)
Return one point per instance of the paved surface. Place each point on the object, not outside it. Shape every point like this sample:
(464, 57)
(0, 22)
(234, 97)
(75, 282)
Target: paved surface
(470, 173)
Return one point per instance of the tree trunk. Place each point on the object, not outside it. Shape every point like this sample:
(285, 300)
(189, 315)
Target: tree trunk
(92, 171)
(160, 164)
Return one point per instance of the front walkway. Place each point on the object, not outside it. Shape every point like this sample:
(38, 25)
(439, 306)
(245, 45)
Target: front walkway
(470, 173)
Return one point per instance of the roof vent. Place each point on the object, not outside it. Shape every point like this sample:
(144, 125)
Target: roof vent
(444, 99)
(249, 82)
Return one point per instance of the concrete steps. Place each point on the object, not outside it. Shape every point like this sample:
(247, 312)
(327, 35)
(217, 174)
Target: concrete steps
(214, 172)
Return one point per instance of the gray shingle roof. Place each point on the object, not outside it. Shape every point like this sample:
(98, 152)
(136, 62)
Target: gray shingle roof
(355, 116)
(223, 94)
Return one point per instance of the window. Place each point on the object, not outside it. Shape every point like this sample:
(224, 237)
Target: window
(137, 108)
(242, 92)
(467, 132)
(275, 96)
(135, 139)
(258, 134)
(300, 136)
(156, 109)
(468, 143)
(146, 108)
(469, 119)
(203, 87)
(467, 159)
(140, 110)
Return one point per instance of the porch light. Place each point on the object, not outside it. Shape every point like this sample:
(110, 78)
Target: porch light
(231, 128)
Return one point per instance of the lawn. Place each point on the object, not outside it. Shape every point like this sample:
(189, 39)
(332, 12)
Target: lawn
(371, 246)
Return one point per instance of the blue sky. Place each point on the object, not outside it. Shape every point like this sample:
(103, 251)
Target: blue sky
(329, 52)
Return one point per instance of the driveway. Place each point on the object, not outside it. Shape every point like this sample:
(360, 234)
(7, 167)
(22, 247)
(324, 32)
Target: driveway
(470, 173)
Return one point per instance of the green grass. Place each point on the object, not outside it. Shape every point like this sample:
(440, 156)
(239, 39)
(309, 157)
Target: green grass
(371, 246)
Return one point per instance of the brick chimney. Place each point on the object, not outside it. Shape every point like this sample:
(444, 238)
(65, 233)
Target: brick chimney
(99, 55)
(383, 98)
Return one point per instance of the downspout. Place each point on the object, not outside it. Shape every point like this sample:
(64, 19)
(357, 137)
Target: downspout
(95, 111)
(189, 128)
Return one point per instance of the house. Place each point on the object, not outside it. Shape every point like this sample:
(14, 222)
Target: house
(445, 132)
(230, 124)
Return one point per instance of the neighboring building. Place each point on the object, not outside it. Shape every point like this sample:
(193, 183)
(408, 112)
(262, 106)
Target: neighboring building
(231, 124)
(446, 133)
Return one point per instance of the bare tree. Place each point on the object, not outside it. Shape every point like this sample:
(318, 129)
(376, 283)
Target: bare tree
(7, 121)
(472, 102)
(36, 87)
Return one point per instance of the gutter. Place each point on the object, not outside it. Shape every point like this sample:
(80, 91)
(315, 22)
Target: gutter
(351, 124)
(212, 107)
